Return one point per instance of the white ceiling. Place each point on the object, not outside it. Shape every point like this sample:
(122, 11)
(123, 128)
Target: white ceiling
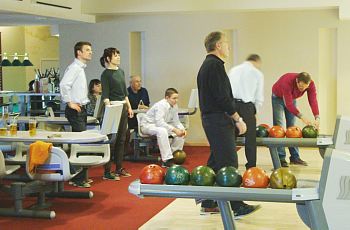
(28, 12)
(15, 19)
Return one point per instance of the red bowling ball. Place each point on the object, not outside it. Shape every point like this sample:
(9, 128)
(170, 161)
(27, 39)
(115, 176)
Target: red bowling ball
(152, 174)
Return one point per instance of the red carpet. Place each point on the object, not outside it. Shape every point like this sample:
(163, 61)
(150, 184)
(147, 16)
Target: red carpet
(112, 206)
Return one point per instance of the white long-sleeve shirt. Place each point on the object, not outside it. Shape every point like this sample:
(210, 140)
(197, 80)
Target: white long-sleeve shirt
(162, 114)
(247, 84)
(73, 86)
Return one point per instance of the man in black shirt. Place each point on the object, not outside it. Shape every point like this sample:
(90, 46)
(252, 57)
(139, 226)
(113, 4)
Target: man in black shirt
(138, 97)
(219, 115)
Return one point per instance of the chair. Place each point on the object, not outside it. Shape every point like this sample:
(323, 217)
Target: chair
(92, 155)
(143, 143)
(193, 103)
(20, 153)
(56, 168)
(6, 169)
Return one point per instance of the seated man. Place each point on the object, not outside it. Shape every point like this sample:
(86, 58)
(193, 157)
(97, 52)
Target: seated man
(138, 97)
(162, 120)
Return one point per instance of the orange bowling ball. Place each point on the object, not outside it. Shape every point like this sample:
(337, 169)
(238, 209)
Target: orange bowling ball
(255, 178)
(277, 132)
(294, 132)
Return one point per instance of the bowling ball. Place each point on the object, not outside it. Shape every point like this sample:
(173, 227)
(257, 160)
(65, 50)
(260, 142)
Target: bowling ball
(262, 131)
(283, 178)
(277, 132)
(309, 131)
(202, 176)
(177, 175)
(266, 126)
(152, 174)
(179, 157)
(228, 177)
(294, 132)
(255, 178)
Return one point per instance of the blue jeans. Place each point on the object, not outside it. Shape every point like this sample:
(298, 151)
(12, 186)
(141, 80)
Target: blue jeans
(279, 109)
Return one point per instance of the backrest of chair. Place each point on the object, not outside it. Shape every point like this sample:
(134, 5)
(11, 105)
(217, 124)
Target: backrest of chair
(98, 106)
(111, 119)
(2, 165)
(139, 118)
(193, 102)
(56, 168)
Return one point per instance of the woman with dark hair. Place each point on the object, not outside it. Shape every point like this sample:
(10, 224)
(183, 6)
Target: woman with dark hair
(114, 91)
(94, 90)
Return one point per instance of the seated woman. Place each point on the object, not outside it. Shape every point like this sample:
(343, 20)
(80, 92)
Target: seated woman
(95, 89)
(162, 120)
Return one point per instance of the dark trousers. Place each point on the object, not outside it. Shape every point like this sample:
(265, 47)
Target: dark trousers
(76, 119)
(78, 122)
(247, 111)
(118, 148)
(220, 131)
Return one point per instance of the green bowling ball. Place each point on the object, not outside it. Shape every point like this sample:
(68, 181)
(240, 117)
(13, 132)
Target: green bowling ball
(177, 175)
(203, 176)
(228, 177)
(309, 131)
(262, 131)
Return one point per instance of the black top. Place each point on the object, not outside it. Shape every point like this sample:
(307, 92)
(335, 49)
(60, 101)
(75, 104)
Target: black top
(113, 85)
(135, 98)
(214, 88)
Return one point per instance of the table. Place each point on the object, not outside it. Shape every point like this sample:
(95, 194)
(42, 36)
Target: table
(56, 137)
(53, 120)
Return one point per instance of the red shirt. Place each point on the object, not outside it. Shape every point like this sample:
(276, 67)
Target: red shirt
(286, 88)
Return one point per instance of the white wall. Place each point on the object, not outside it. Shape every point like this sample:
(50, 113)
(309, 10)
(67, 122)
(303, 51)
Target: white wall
(287, 41)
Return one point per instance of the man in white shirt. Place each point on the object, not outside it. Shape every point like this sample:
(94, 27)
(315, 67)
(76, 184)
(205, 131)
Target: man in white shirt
(74, 92)
(247, 82)
(74, 89)
(162, 120)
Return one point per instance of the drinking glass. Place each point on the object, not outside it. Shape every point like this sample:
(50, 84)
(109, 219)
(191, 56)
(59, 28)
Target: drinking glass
(13, 127)
(3, 127)
(5, 112)
(32, 126)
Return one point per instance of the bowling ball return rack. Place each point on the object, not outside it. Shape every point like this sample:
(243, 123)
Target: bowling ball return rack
(321, 205)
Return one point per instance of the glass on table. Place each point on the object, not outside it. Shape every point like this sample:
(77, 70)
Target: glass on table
(32, 126)
(3, 127)
(5, 112)
(13, 126)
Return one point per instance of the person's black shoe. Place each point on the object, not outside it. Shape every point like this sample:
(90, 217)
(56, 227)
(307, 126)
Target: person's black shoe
(284, 163)
(245, 210)
(297, 161)
(168, 163)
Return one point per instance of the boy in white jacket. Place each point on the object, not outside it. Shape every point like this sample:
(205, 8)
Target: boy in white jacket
(162, 120)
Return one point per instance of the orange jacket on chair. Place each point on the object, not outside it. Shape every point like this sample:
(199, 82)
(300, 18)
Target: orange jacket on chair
(39, 152)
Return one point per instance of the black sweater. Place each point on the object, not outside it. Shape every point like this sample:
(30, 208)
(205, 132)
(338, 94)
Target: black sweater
(214, 88)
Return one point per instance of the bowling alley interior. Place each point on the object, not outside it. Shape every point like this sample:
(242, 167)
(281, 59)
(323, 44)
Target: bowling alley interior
(163, 43)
